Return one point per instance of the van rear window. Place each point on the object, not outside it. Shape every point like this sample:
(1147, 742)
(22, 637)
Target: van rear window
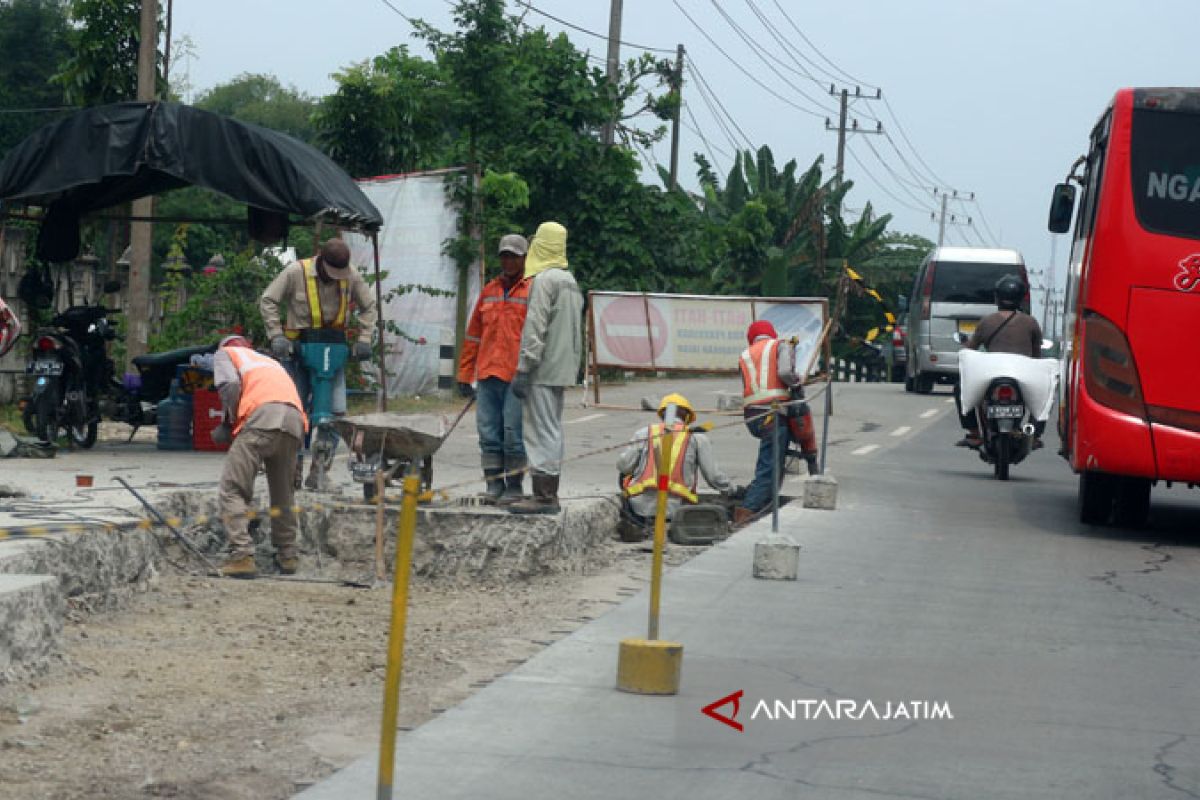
(1165, 160)
(969, 282)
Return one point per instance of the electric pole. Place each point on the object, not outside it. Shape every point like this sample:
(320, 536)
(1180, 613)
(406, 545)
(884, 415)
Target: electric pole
(614, 65)
(842, 128)
(678, 90)
(946, 218)
(140, 232)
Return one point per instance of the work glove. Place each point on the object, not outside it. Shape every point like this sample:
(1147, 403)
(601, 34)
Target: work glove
(222, 434)
(466, 390)
(281, 348)
(520, 385)
(362, 351)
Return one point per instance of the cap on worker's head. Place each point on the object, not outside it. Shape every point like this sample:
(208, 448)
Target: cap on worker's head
(681, 403)
(759, 329)
(514, 243)
(335, 256)
(236, 340)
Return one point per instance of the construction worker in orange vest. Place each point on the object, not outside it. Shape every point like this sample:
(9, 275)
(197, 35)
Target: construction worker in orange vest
(265, 421)
(491, 348)
(770, 375)
(316, 294)
(691, 456)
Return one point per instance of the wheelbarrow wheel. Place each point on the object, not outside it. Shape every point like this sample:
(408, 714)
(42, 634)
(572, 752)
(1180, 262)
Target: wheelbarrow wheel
(369, 492)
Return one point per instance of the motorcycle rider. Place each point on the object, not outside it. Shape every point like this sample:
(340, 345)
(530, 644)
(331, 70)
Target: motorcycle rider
(1007, 330)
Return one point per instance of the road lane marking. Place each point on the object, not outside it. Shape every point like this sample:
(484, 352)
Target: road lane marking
(588, 418)
(862, 451)
(929, 413)
(903, 429)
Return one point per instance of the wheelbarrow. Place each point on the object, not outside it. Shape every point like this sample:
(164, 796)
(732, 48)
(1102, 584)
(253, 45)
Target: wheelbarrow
(383, 445)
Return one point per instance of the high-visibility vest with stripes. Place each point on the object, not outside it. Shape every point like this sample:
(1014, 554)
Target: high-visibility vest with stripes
(761, 384)
(648, 479)
(316, 314)
(263, 381)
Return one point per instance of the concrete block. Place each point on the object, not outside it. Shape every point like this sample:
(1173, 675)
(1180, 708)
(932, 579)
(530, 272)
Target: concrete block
(776, 558)
(729, 401)
(31, 615)
(820, 491)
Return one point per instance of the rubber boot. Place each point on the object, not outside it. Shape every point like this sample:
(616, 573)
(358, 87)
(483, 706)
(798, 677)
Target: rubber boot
(495, 483)
(514, 489)
(544, 499)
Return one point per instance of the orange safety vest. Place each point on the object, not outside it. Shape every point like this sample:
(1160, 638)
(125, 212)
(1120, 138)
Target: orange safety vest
(263, 381)
(761, 384)
(492, 342)
(315, 313)
(648, 479)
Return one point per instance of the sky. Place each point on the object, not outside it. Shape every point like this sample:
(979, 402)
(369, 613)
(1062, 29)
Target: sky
(994, 97)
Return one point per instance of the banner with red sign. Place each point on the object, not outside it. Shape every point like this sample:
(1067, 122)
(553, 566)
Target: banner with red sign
(637, 331)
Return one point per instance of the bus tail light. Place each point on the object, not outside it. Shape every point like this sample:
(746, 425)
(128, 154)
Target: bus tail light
(1110, 373)
(927, 291)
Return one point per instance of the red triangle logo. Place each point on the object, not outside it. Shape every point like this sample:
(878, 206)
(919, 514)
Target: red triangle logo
(710, 710)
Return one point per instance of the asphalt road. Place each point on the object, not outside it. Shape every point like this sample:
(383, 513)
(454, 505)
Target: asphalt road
(1067, 656)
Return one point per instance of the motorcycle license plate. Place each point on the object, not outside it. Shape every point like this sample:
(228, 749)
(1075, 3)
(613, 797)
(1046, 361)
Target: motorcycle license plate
(46, 367)
(1005, 412)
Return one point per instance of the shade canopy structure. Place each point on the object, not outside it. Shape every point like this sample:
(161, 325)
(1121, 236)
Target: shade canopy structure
(107, 155)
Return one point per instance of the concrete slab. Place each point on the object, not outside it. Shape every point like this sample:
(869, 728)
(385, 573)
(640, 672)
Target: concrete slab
(31, 617)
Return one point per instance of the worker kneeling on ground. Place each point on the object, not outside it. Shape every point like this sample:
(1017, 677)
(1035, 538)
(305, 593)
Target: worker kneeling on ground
(691, 452)
(263, 418)
(770, 376)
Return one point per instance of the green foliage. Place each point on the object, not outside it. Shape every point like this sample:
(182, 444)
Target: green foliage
(33, 39)
(226, 302)
(262, 100)
(104, 40)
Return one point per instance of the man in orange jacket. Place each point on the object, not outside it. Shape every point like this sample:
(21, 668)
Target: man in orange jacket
(491, 348)
(265, 419)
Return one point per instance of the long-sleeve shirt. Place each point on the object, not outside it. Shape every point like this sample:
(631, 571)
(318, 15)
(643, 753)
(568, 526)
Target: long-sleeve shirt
(288, 292)
(552, 339)
(492, 342)
(699, 455)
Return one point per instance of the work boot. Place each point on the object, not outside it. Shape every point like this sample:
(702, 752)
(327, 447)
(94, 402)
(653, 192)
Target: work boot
(743, 515)
(287, 564)
(240, 567)
(544, 499)
(495, 483)
(814, 465)
(514, 489)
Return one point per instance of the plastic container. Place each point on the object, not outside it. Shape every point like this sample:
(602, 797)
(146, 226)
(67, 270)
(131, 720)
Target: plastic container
(206, 415)
(175, 420)
(83, 481)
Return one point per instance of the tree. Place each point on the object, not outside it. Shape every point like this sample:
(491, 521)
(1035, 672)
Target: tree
(33, 37)
(263, 100)
(103, 65)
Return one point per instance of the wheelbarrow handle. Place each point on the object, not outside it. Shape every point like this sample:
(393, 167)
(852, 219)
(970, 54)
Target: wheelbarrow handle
(461, 414)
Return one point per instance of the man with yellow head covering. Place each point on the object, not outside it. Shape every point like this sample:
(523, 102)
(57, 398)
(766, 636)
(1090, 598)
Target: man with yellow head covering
(551, 352)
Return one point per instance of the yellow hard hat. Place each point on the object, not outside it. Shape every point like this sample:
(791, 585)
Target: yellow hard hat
(681, 403)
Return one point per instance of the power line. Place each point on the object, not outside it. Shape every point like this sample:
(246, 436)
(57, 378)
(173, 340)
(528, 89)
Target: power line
(899, 181)
(404, 16)
(936, 178)
(708, 147)
(742, 69)
(767, 58)
(880, 185)
(712, 95)
(817, 50)
(979, 210)
(581, 29)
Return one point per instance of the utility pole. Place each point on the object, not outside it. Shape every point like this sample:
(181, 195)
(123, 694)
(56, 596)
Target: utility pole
(140, 232)
(946, 218)
(678, 89)
(614, 64)
(842, 128)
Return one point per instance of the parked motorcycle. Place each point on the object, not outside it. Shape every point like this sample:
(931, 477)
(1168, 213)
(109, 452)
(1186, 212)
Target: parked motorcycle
(75, 383)
(1012, 396)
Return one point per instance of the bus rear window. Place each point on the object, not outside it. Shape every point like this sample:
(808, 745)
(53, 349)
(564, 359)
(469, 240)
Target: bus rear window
(969, 282)
(1165, 160)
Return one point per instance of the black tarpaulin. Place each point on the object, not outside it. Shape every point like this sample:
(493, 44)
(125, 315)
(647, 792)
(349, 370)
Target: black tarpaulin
(107, 155)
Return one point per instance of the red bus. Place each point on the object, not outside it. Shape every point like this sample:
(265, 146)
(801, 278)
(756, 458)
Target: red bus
(1129, 404)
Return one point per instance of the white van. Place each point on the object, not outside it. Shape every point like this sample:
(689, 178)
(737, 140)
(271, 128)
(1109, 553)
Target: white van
(953, 290)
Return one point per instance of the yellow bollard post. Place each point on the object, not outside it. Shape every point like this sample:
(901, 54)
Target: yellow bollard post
(651, 666)
(395, 656)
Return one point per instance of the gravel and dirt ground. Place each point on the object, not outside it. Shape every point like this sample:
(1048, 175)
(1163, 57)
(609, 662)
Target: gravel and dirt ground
(228, 690)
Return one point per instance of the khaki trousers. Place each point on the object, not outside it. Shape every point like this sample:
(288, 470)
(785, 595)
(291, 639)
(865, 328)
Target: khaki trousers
(251, 449)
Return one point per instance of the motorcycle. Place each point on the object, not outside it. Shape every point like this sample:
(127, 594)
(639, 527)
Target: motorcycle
(1012, 396)
(75, 383)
